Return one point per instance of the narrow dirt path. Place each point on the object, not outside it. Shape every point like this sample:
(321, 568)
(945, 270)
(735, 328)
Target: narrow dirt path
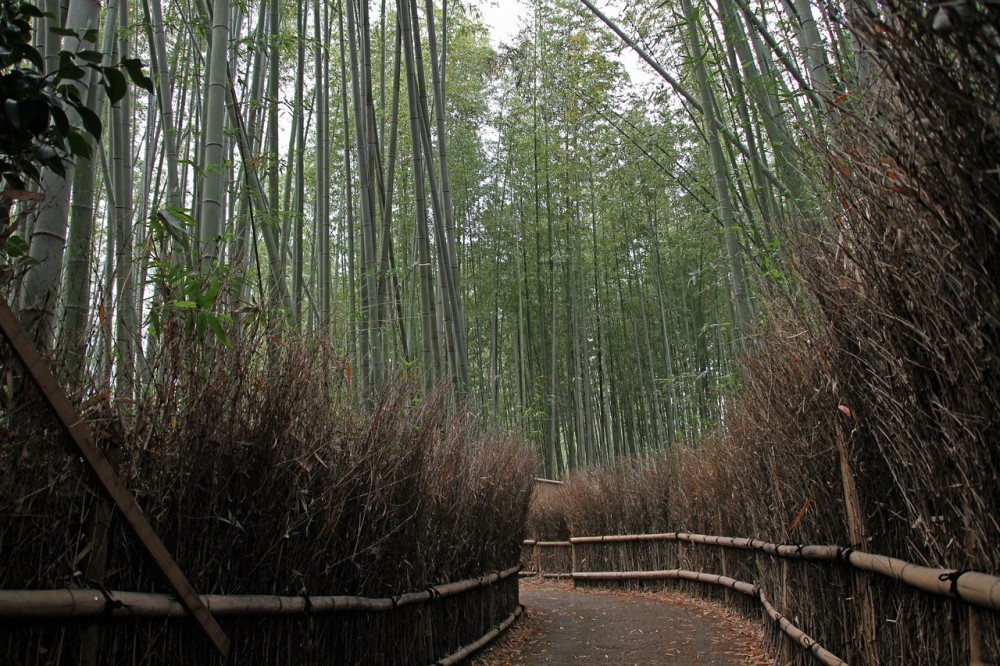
(563, 625)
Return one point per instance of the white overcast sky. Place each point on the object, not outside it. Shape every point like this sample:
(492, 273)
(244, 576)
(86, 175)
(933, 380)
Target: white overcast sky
(504, 18)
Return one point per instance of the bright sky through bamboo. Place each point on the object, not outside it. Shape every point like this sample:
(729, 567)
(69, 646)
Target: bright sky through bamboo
(504, 18)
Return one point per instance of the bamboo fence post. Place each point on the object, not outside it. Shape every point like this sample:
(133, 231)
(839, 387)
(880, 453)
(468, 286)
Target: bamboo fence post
(977, 648)
(864, 605)
(572, 566)
(97, 565)
(728, 595)
(786, 602)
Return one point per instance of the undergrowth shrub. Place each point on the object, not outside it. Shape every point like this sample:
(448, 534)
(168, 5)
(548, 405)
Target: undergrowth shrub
(261, 477)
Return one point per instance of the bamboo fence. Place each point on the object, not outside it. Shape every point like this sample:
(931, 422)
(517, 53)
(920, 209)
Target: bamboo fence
(457, 656)
(108, 605)
(538, 561)
(971, 587)
(81, 603)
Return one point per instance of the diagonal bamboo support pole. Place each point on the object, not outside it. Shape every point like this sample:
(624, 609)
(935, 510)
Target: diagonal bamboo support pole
(79, 432)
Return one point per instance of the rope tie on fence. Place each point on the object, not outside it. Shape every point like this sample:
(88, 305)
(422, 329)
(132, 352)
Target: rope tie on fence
(844, 554)
(110, 603)
(308, 604)
(433, 592)
(953, 576)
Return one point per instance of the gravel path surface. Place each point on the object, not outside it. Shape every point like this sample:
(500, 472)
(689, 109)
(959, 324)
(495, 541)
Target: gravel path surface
(563, 625)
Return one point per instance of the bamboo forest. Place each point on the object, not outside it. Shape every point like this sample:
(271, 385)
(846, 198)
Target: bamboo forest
(384, 332)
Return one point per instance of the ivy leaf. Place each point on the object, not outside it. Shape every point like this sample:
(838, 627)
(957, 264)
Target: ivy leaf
(71, 72)
(70, 92)
(95, 57)
(29, 53)
(35, 114)
(65, 32)
(54, 164)
(61, 121)
(30, 10)
(13, 113)
(78, 145)
(139, 78)
(114, 83)
(16, 246)
(91, 122)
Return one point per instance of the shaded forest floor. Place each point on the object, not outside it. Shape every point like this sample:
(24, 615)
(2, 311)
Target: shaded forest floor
(563, 625)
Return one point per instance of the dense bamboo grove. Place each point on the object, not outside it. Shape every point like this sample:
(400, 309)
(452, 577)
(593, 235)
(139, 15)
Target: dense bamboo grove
(583, 257)
(580, 256)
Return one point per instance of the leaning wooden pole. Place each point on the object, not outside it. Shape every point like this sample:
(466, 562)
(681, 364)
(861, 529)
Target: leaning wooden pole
(79, 432)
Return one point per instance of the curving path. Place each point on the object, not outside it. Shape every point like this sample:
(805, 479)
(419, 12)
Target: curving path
(576, 626)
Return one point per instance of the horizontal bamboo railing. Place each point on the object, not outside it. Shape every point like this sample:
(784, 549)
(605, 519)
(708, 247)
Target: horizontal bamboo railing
(457, 656)
(81, 603)
(805, 641)
(972, 587)
(547, 544)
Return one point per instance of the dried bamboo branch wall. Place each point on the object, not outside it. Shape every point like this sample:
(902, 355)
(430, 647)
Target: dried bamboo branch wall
(270, 489)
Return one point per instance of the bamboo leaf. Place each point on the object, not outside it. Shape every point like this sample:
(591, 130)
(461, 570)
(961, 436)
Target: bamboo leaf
(220, 333)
